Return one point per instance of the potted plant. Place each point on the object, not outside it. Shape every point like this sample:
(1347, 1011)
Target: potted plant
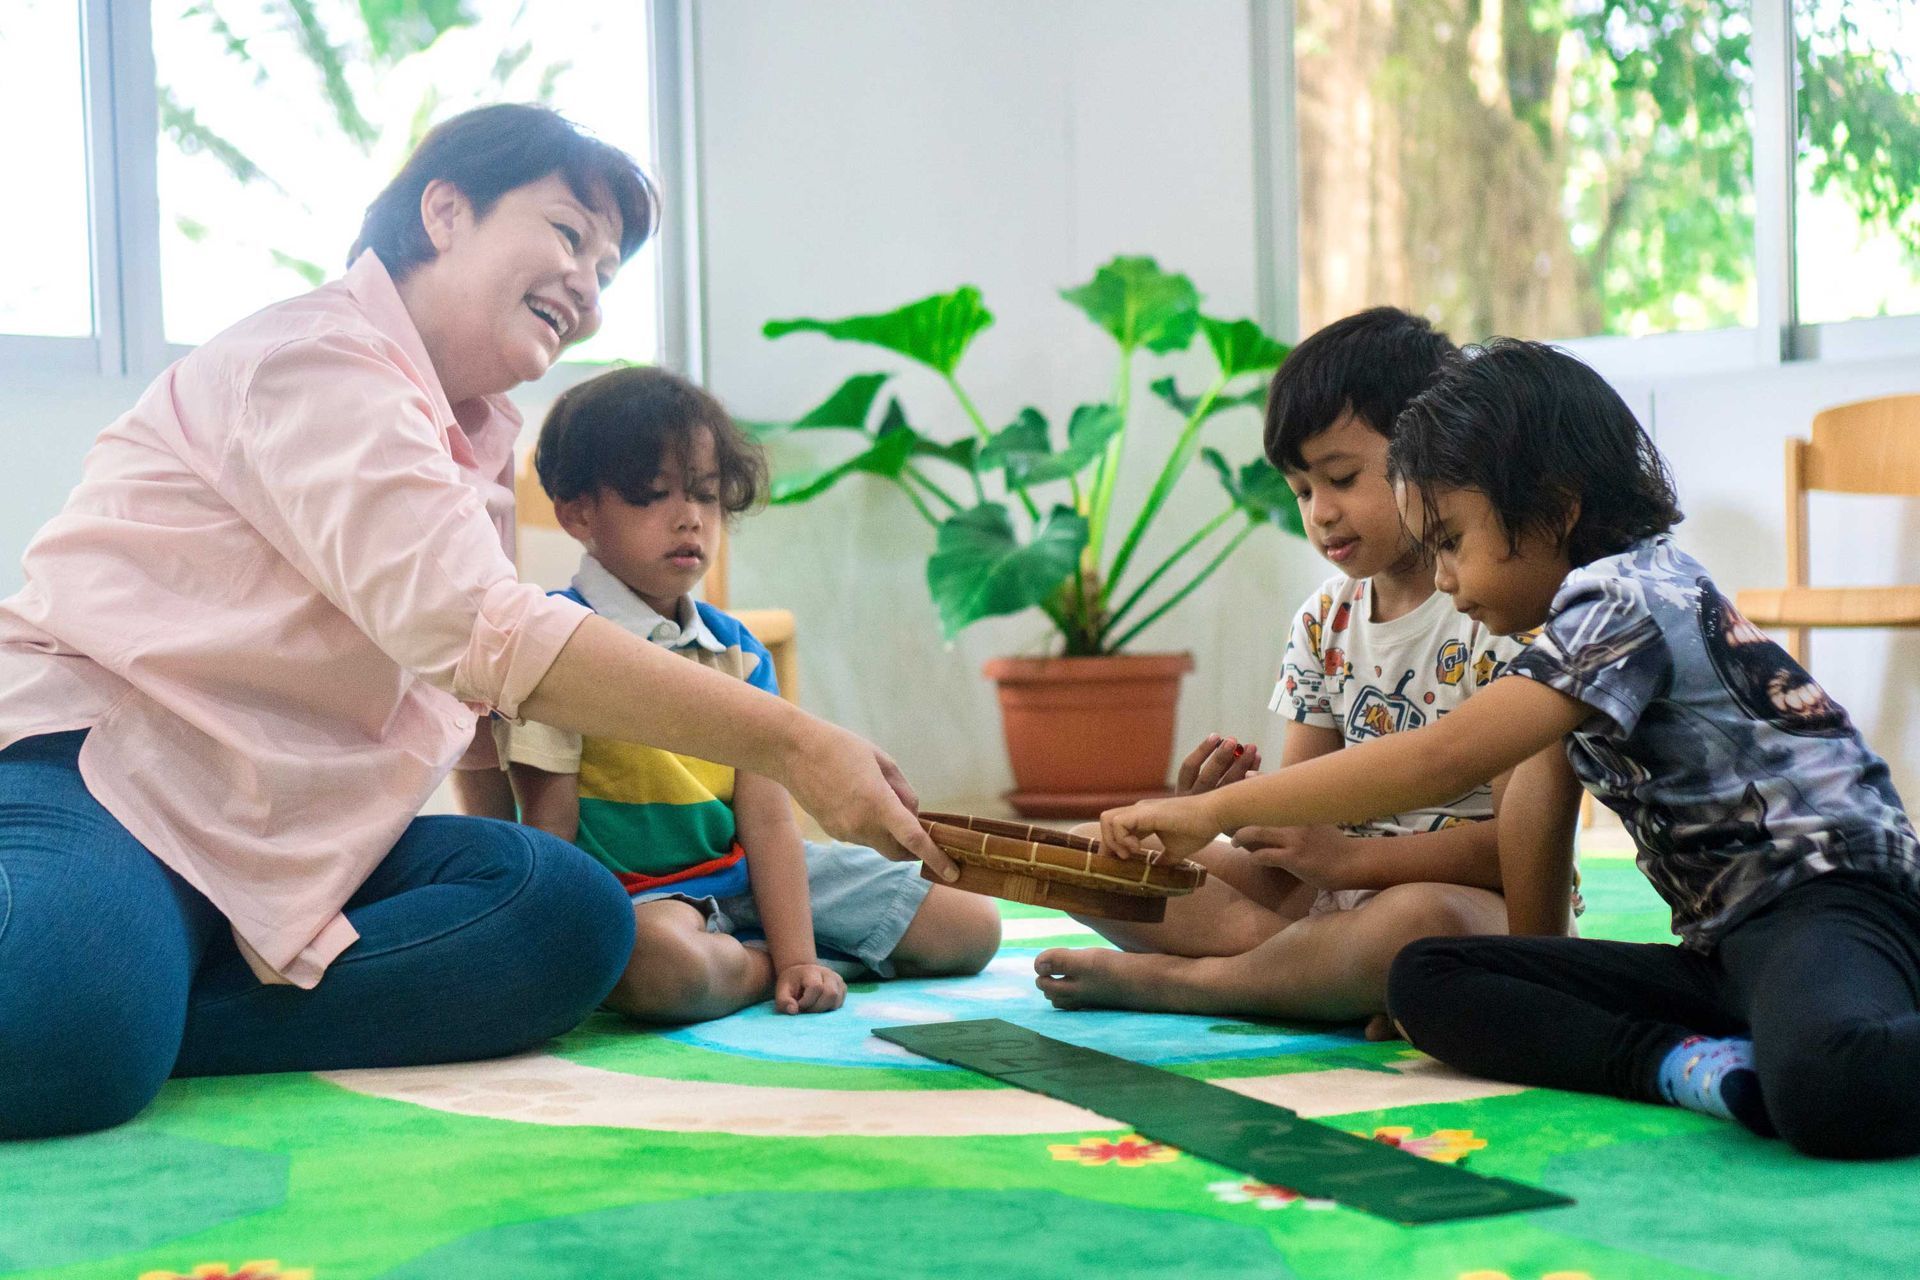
(1022, 516)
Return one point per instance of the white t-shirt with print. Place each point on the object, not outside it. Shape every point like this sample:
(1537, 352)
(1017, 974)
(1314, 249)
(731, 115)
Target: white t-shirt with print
(1344, 671)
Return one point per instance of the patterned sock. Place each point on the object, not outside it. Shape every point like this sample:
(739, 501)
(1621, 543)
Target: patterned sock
(1716, 1078)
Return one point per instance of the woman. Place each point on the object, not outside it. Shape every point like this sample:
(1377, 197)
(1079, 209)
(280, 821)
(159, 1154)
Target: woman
(265, 626)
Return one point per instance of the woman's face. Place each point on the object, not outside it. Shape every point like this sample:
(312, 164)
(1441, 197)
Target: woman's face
(510, 291)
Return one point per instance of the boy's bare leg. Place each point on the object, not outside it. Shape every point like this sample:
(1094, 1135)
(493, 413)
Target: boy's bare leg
(952, 933)
(681, 973)
(1240, 905)
(1330, 967)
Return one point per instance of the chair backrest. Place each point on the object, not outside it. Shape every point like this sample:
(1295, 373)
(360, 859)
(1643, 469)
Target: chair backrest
(532, 509)
(1870, 446)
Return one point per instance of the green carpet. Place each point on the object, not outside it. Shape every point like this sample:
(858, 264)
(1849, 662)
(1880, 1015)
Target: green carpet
(800, 1147)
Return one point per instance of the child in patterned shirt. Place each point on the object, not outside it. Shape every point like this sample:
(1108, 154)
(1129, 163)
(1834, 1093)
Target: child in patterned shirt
(1303, 921)
(1792, 1001)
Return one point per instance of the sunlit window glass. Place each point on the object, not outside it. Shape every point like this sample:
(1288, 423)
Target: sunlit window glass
(281, 119)
(1551, 169)
(1857, 208)
(46, 270)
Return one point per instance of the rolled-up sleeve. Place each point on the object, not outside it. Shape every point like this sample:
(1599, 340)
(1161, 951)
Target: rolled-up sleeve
(340, 465)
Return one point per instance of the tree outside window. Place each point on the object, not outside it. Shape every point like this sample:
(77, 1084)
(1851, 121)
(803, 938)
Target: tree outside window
(281, 119)
(1565, 168)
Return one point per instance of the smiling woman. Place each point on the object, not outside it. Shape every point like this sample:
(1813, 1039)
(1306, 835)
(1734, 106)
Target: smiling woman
(269, 621)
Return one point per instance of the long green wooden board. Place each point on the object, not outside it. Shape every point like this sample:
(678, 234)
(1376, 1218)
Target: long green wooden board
(1257, 1138)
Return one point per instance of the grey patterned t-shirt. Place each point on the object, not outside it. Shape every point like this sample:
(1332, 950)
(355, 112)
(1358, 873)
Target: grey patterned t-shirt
(1736, 775)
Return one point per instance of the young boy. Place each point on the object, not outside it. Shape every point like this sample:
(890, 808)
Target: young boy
(644, 468)
(1303, 922)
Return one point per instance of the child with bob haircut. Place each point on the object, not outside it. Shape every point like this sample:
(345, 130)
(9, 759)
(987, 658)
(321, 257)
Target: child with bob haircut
(1303, 922)
(1792, 1002)
(645, 469)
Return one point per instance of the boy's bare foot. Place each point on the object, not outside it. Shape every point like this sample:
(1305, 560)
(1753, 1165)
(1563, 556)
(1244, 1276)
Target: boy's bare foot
(1094, 978)
(1381, 1027)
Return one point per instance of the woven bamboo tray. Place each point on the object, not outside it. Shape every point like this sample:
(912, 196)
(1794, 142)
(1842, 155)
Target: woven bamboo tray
(1047, 868)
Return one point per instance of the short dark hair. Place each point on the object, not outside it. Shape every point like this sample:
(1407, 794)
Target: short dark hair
(617, 432)
(1535, 430)
(490, 151)
(1368, 364)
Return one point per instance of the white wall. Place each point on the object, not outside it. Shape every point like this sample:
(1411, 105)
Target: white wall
(859, 154)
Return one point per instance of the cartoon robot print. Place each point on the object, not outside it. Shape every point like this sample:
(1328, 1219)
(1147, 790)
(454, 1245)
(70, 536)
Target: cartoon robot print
(1376, 714)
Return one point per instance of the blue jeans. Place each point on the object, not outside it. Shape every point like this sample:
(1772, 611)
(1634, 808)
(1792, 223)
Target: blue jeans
(477, 938)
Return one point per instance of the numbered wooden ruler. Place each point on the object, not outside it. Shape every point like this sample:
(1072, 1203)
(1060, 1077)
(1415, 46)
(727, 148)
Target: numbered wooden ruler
(1257, 1138)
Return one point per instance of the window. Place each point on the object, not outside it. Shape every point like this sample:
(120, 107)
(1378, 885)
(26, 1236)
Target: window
(1552, 169)
(1857, 197)
(279, 122)
(45, 242)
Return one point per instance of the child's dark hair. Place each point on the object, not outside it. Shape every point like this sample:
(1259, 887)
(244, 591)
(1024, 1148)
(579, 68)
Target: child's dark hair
(618, 431)
(1368, 364)
(1535, 430)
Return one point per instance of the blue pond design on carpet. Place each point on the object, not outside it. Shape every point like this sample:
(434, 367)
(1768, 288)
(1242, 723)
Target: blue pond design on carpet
(1005, 990)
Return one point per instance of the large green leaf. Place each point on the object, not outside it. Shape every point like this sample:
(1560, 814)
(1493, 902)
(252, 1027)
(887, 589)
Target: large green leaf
(935, 331)
(980, 569)
(847, 408)
(886, 456)
(1025, 449)
(1185, 405)
(1259, 490)
(960, 452)
(1241, 347)
(1140, 305)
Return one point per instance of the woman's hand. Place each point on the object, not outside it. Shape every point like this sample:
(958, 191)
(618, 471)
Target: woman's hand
(856, 793)
(1216, 762)
(808, 988)
(1184, 824)
(1324, 857)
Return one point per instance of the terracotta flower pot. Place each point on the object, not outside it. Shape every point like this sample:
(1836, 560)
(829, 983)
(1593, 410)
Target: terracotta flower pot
(1086, 734)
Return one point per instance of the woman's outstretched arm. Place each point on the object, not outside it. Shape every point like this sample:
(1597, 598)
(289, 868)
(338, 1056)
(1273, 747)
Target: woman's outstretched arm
(607, 683)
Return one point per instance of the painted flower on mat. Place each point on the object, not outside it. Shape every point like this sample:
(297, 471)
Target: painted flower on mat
(1446, 1146)
(1129, 1152)
(268, 1269)
(1264, 1195)
(1501, 1275)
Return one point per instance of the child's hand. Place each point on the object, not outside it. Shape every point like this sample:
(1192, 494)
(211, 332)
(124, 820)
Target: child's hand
(808, 988)
(1216, 762)
(1323, 857)
(1184, 824)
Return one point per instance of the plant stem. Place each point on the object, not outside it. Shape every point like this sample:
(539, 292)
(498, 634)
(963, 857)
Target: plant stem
(1159, 572)
(1109, 471)
(1163, 484)
(1185, 591)
(938, 492)
(918, 503)
(980, 426)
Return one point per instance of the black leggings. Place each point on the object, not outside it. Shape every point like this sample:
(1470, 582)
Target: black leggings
(1826, 979)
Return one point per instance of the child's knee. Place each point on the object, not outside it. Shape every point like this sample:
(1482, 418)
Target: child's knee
(1831, 1095)
(953, 933)
(1417, 972)
(1414, 911)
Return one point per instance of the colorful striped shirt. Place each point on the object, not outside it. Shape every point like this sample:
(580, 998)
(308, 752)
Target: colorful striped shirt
(655, 818)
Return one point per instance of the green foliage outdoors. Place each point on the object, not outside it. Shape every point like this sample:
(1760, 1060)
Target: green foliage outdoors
(983, 565)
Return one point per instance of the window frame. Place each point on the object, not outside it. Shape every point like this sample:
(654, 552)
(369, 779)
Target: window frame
(122, 130)
(1778, 335)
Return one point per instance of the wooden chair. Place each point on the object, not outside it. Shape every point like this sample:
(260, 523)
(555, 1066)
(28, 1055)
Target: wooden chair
(1871, 446)
(773, 627)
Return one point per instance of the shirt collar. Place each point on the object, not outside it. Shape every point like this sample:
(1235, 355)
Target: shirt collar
(615, 601)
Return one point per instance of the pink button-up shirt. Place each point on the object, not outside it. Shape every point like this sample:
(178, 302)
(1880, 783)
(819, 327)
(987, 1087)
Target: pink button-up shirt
(279, 597)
